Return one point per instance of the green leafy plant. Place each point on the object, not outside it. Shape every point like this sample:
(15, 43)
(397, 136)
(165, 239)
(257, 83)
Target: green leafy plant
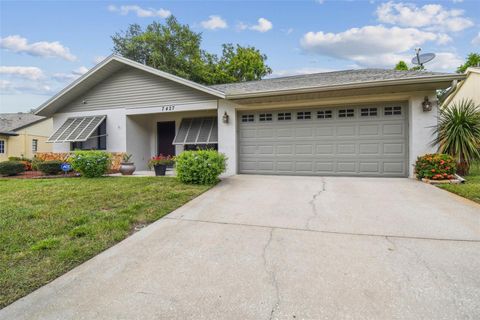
(161, 160)
(126, 158)
(11, 168)
(90, 164)
(458, 133)
(435, 167)
(200, 167)
(51, 167)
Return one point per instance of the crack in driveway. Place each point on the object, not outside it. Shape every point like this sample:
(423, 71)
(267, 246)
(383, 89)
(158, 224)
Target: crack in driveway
(312, 204)
(271, 272)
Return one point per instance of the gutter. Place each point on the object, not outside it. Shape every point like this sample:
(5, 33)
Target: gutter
(366, 84)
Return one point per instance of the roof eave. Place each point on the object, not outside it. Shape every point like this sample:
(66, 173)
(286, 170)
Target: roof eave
(442, 78)
(8, 133)
(112, 57)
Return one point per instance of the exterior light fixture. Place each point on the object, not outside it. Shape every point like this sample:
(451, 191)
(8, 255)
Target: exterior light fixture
(225, 117)
(427, 105)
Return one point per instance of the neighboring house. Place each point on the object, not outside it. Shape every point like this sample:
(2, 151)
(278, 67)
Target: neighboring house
(354, 123)
(23, 135)
(466, 89)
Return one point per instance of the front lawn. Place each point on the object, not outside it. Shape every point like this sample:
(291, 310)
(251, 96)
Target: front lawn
(48, 227)
(471, 188)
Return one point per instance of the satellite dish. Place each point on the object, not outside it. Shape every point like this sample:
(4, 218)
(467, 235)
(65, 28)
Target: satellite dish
(420, 59)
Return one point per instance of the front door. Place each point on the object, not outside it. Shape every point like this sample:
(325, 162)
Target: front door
(165, 136)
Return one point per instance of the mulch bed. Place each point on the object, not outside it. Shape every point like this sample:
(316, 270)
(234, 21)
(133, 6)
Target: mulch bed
(40, 175)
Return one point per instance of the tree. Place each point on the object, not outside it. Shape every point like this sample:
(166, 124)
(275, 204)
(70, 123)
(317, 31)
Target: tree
(176, 49)
(473, 60)
(458, 133)
(401, 65)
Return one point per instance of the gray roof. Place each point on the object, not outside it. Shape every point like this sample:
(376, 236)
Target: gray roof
(9, 122)
(325, 79)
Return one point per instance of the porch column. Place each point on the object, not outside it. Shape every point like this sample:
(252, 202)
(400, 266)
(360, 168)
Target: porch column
(227, 135)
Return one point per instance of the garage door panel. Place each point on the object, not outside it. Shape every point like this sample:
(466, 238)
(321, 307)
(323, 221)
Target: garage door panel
(366, 144)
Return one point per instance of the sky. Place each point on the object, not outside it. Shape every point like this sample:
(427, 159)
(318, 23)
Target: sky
(45, 45)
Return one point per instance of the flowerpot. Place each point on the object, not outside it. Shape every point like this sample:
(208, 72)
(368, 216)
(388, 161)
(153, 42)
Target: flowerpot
(127, 168)
(160, 169)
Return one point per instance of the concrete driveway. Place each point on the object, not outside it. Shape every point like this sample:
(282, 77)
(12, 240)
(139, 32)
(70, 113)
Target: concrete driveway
(263, 247)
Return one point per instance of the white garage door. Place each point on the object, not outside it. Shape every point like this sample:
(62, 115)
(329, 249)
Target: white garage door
(368, 140)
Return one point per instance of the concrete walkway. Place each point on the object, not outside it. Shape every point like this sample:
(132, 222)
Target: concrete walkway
(262, 247)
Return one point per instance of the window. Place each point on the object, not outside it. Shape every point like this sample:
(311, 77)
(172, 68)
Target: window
(284, 116)
(248, 118)
(265, 117)
(368, 112)
(98, 140)
(304, 115)
(2, 146)
(393, 111)
(324, 114)
(346, 113)
(34, 145)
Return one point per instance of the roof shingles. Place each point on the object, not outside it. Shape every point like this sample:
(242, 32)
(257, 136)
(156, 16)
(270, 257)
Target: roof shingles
(9, 122)
(324, 79)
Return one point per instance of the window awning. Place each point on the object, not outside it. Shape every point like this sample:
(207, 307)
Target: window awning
(76, 129)
(197, 131)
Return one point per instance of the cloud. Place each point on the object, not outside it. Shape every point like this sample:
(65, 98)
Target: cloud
(287, 31)
(214, 22)
(139, 11)
(18, 44)
(25, 87)
(476, 40)
(320, 1)
(445, 61)
(32, 73)
(432, 17)
(263, 25)
(72, 75)
(370, 46)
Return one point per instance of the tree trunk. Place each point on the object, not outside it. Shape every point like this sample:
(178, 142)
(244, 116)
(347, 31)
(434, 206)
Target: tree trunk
(463, 167)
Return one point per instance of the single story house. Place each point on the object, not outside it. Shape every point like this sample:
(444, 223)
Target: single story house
(23, 135)
(369, 122)
(466, 89)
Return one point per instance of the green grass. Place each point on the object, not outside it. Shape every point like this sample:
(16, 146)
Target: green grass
(48, 227)
(471, 188)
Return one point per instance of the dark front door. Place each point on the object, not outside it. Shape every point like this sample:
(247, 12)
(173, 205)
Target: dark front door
(165, 136)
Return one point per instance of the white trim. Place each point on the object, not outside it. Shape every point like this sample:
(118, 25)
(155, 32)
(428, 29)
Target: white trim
(194, 106)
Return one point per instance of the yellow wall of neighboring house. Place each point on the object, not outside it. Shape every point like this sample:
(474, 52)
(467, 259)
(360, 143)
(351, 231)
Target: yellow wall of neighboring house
(4, 155)
(21, 145)
(468, 89)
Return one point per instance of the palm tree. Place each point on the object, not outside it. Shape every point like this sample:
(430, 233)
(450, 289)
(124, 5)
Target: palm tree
(458, 133)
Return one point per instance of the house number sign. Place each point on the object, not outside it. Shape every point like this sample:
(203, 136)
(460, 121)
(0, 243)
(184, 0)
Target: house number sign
(168, 108)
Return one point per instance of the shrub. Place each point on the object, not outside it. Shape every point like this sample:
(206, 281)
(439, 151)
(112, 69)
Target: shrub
(11, 168)
(435, 166)
(51, 167)
(35, 163)
(14, 159)
(90, 164)
(200, 167)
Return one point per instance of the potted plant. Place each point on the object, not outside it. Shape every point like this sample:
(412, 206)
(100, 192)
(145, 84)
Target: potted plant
(127, 167)
(160, 163)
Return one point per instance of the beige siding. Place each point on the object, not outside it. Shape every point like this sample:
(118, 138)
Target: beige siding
(21, 145)
(135, 88)
(470, 89)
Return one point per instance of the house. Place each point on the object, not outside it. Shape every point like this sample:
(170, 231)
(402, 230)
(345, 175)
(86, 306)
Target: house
(369, 122)
(23, 135)
(466, 89)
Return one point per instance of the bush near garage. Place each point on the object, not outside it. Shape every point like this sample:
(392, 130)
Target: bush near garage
(435, 167)
(90, 164)
(52, 167)
(200, 167)
(26, 162)
(11, 168)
